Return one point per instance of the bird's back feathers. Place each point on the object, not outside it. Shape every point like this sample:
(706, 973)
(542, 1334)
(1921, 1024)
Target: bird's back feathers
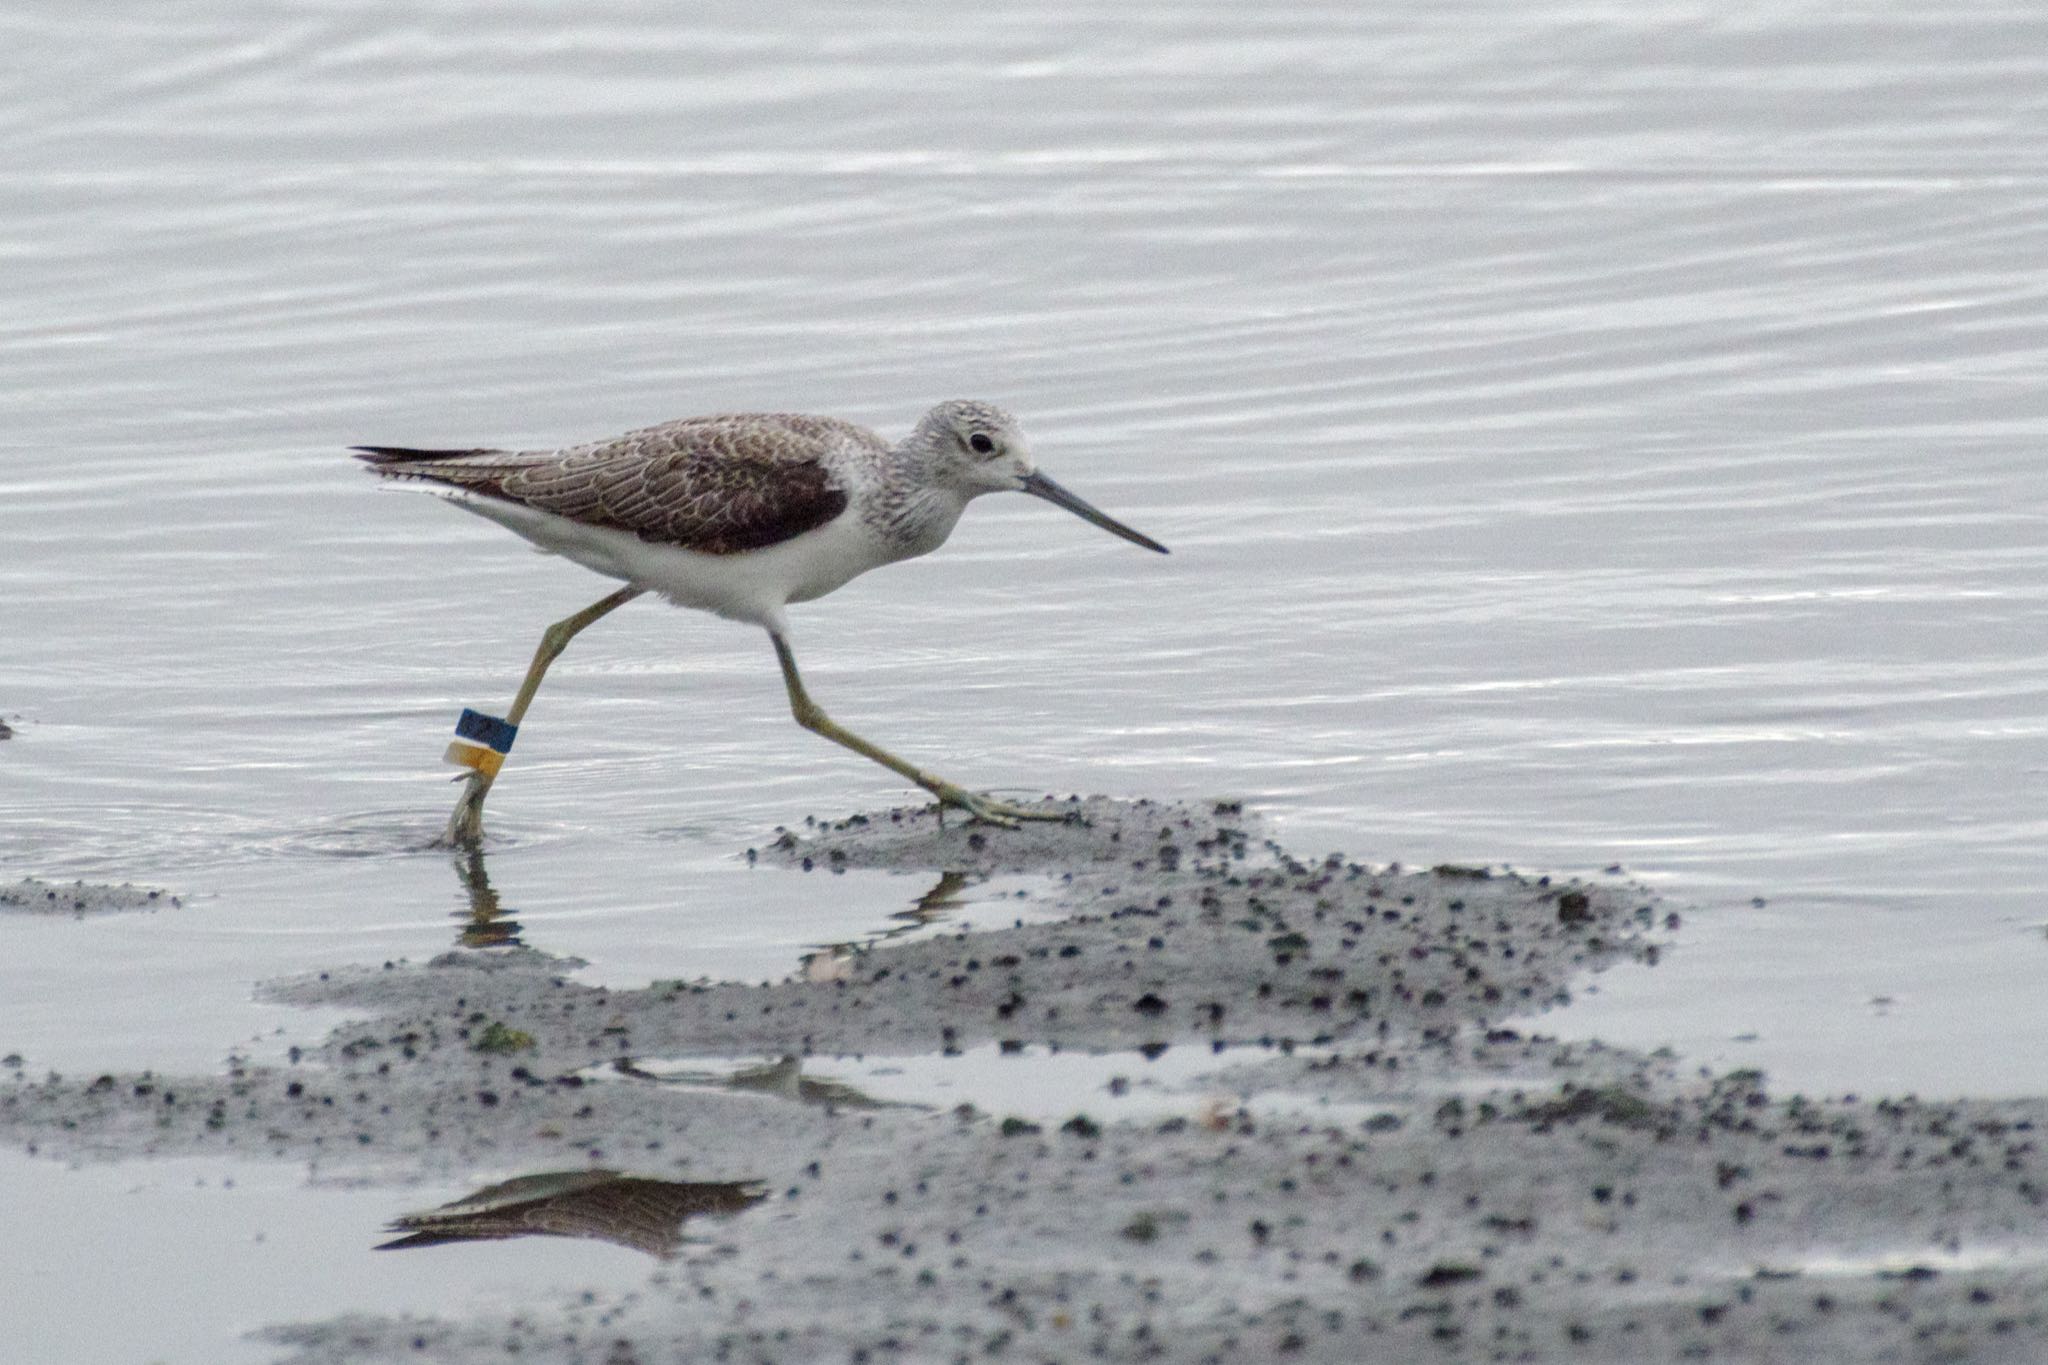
(717, 485)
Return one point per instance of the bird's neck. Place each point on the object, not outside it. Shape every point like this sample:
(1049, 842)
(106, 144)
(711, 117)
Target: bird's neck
(911, 510)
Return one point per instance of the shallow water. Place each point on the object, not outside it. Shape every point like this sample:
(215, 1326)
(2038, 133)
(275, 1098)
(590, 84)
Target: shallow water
(1586, 434)
(1037, 1084)
(174, 1262)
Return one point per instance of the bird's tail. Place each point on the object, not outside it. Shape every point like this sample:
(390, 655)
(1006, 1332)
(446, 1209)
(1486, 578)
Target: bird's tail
(381, 456)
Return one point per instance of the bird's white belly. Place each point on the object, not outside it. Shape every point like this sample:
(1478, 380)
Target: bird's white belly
(752, 585)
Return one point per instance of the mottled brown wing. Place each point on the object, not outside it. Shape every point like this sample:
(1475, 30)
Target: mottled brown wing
(718, 485)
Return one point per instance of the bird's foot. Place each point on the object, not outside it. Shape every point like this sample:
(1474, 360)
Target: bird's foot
(986, 810)
(466, 826)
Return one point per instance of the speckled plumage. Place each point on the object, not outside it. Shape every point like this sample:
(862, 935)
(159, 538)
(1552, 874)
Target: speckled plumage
(717, 485)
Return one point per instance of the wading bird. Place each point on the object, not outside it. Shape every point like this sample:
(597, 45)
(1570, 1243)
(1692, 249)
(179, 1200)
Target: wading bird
(739, 514)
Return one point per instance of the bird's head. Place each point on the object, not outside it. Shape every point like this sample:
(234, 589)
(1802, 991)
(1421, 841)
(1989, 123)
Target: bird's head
(978, 448)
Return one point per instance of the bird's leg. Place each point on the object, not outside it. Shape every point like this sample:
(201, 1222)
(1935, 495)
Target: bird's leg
(466, 825)
(813, 718)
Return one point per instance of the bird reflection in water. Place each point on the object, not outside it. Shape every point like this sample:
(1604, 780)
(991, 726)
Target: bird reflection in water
(638, 1212)
(834, 961)
(782, 1078)
(486, 925)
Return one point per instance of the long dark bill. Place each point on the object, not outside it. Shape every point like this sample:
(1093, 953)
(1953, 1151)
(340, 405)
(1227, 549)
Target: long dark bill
(1039, 486)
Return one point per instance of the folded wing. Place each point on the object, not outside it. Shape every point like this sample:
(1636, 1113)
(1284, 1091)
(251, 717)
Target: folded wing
(718, 485)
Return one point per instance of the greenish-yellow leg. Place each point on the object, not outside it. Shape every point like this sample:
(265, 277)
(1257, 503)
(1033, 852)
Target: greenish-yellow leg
(466, 825)
(813, 718)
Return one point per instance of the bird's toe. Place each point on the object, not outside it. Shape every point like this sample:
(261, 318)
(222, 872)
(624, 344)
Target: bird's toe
(986, 810)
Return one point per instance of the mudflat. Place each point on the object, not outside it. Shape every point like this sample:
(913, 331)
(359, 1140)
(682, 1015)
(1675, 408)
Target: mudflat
(1308, 1131)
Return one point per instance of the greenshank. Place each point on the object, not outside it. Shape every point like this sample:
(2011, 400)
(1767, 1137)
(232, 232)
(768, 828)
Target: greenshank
(739, 514)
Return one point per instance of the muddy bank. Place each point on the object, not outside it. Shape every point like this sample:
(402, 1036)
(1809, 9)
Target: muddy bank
(34, 896)
(1354, 1156)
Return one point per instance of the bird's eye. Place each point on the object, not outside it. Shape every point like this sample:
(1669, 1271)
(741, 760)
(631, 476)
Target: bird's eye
(980, 444)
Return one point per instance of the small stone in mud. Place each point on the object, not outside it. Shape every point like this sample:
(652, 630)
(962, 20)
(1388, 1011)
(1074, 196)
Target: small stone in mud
(497, 1037)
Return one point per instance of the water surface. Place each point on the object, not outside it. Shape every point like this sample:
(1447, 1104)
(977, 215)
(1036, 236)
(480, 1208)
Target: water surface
(1587, 434)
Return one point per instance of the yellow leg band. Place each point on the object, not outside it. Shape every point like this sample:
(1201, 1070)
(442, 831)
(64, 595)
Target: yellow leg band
(485, 761)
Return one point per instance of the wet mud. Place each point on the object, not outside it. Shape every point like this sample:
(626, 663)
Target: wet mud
(34, 896)
(1381, 1164)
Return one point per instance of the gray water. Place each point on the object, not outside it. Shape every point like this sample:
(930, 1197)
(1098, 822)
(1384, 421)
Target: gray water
(1587, 434)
